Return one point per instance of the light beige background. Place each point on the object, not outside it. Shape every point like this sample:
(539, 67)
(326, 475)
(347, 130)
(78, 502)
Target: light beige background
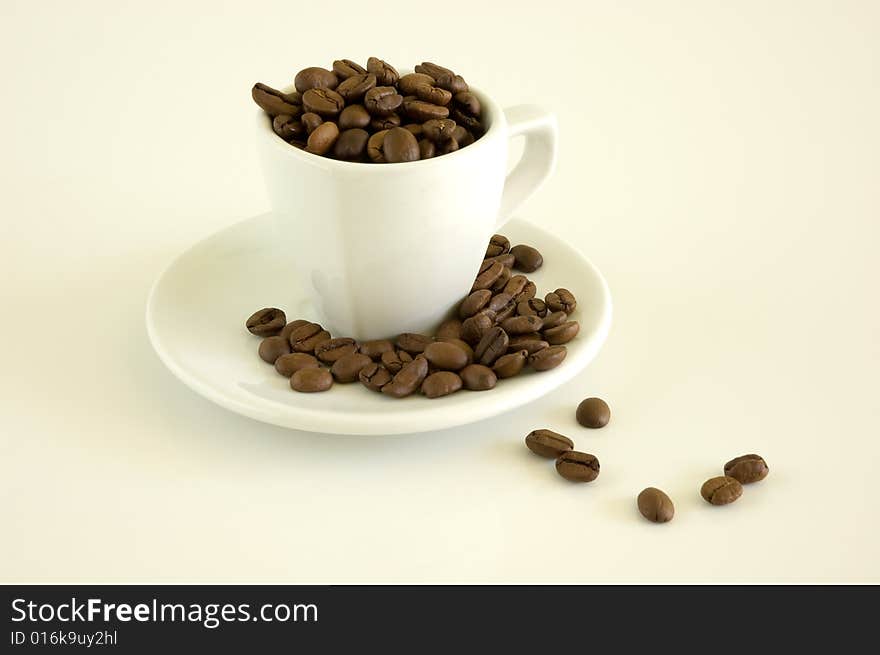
(719, 163)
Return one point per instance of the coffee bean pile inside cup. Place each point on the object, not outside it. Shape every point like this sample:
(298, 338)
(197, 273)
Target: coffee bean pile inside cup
(501, 329)
(374, 114)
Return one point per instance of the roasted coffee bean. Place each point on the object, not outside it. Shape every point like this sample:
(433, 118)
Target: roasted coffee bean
(468, 103)
(554, 320)
(439, 131)
(474, 327)
(477, 377)
(413, 343)
(502, 280)
(385, 73)
(577, 466)
(271, 348)
(464, 138)
(323, 138)
(515, 285)
(450, 145)
(290, 327)
(446, 356)
(415, 128)
(532, 307)
(421, 111)
(528, 342)
(593, 413)
(562, 333)
(266, 322)
(526, 258)
(488, 275)
(311, 121)
(355, 87)
(464, 345)
(547, 443)
(522, 325)
(288, 127)
(324, 102)
(345, 68)
(449, 328)
(332, 349)
(468, 122)
(311, 380)
(474, 302)
(354, 116)
(547, 358)
(348, 367)
(275, 103)
(374, 147)
(408, 379)
(528, 292)
(394, 360)
(722, 490)
(382, 100)
(427, 149)
(747, 469)
(307, 337)
(510, 364)
(400, 145)
(410, 83)
(491, 346)
(385, 122)
(498, 245)
(433, 94)
(655, 505)
(499, 302)
(506, 259)
(444, 77)
(374, 349)
(561, 300)
(374, 376)
(440, 384)
(289, 364)
(314, 77)
(351, 144)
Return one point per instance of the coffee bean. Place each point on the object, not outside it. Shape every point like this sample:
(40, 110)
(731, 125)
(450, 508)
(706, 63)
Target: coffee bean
(561, 300)
(532, 307)
(290, 327)
(438, 131)
(433, 94)
(547, 358)
(655, 505)
(289, 364)
(577, 466)
(528, 292)
(311, 380)
(374, 147)
(374, 376)
(502, 304)
(384, 122)
(446, 356)
(464, 345)
(375, 349)
(450, 328)
(324, 102)
(464, 137)
(511, 364)
(275, 103)
(554, 320)
(562, 333)
(421, 111)
(307, 337)
(547, 443)
(526, 258)
(415, 128)
(400, 146)
(593, 413)
(506, 259)
(323, 138)
(345, 68)
(314, 77)
(348, 367)
(515, 285)
(444, 77)
(427, 149)
(491, 346)
(385, 73)
(288, 127)
(410, 83)
(488, 275)
(722, 490)
(355, 87)
(474, 302)
(502, 280)
(332, 349)
(271, 348)
(468, 103)
(450, 145)
(394, 360)
(408, 379)
(468, 122)
(351, 144)
(382, 100)
(354, 116)
(747, 469)
(311, 121)
(440, 384)
(528, 342)
(413, 343)
(477, 377)
(473, 328)
(522, 324)
(266, 322)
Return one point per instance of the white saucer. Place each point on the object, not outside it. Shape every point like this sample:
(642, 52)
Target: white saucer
(197, 309)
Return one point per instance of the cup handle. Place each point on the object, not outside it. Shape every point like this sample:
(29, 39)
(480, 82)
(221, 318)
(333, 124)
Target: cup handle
(538, 159)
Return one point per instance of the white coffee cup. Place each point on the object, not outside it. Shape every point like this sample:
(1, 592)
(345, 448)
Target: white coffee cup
(391, 248)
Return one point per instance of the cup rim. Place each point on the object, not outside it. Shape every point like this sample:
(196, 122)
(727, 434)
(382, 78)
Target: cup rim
(496, 118)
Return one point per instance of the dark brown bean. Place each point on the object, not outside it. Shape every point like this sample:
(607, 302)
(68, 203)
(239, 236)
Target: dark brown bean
(394, 360)
(474, 327)
(421, 111)
(655, 505)
(440, 384)
(290, 327)
(288, 127)
(413, 343)
(374, 147)
(351, 144)
(747, 469)
(593, 413)
(502, 304)
(450, 145)
(311, 380)
(502, 280)
(275, 103)
(464, 345)
(433, 94)
(375, 349)
(528, 342)
(510, 364)
(554, 320)
(354, 116)
(415, 128)
(444, 77)
(315, 77)
(411, 82)
(506, 259)
(382, 100)
(522, 324)
(526, 258)
(385, 73)
(474, 302)
(307, 337)
(324, 102)
(450, 328)
(385, 122)
(400, 145)
(515, 285)
(332, 349)
(528, 292)
(470, 123)
(311, 121)
(562, 333)
(722, 490)
(446, 356)
(577, 466)
(561, 300)
(355, 87)
(468, 103)
(323, 138)
(488, 275)
(348, 367)
(477, 377)
(289, 364)
(439, 131)
(427, 149)
(491, 346)
(408, 379)
(374, 376)
(547, 358)
(547, 443)
(532, 307)
(266, 322)
(271, 348)
(345, 68)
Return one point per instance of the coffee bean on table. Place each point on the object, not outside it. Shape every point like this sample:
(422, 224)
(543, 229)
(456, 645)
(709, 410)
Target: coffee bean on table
(593, 413)
(374, 376)
(477, 377)
(311, 121)
(446, 356)
(345, 68)
(516, 325)
(310, 380)
(547, 443)
(747, 469)
(355, 87)
(395, 360)
(275, 103)
(266, 322)
(554, 319)
(440, 384)
(655, 505)
(271, 348)
(348, 367)
(475, 301)
(382, 100)
(474, 327)
(491, 346)
(510, 364)
(315, 77)
(408, 379)
(722, 490)
(561, 300)
(562, 333)
(547, 358)
(386, 74)
(332, 349)
(526, 258)
(289, 364)
(323, 138)
(577, 466)
(374, 147)
(374, 349)
(450, 328)
(413, 343)
(400, 145)
(354, 116)
(324, 102)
